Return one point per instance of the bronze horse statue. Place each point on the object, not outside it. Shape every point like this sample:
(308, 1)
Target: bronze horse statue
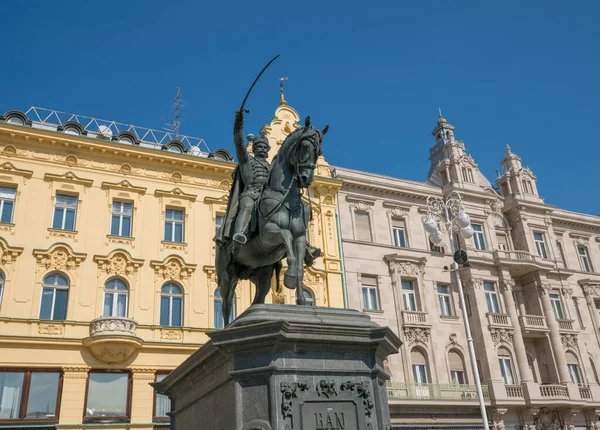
(282, 219)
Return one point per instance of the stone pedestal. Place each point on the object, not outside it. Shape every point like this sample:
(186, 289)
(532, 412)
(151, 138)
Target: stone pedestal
(286, 367)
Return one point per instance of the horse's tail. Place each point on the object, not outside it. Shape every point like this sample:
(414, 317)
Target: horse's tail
(278, 267)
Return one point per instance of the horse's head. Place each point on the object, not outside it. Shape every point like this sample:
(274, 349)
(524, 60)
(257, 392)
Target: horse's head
(305, 146)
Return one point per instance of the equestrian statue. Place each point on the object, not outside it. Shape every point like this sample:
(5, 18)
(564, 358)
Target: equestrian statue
(267, 219)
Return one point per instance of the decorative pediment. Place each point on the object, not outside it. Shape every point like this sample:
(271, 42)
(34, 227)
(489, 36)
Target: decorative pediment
(69, 177)
(176, 193)
(416, 335)
(124, 185)
(8, 254)
(359, 203)
(217, 200)
(9, 167)
(118, 262)
(314, 277)
(396, 210)
(173, 268)
(59, 256)
(405, 265)
(501, 335)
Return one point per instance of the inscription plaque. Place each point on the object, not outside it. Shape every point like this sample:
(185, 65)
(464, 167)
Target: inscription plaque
(331, 415)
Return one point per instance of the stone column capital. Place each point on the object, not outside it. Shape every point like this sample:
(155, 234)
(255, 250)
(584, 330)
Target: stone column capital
(507, 284)
(543, 288)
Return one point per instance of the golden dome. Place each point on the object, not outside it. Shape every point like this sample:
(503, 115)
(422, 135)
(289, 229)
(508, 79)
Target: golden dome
(441, 120)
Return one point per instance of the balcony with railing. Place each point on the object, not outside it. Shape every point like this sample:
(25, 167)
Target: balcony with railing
(447, 392)
(499, 320)
(585, 393)
(415, 318)
(113, 339)
(554, 391)
(521, 262)
(533, 325)
(514, 391)
(566, 325)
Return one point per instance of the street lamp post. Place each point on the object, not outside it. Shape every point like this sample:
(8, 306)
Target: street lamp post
(454, 219)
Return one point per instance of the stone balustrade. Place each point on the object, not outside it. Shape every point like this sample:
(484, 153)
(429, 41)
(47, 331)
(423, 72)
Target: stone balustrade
(414, 317)
(585, 393)
(565, 325)
(414, 391)
(514, 391)
(110, 325)
(556, 391)
(501, 320)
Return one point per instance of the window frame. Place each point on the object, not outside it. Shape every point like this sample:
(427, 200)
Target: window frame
(170, 296)
(458, 373)
(65, 207)
(450, 300)
(502, 359)
(155, 418)
(408, 294)
(121, 214)
(13, 200)
(575, 367)
(173, 223)
(488, 298)
(368, 215)
(399, 233)
(479, 237)
(54, 287)
(540, 244)
(115, 292)
(556, 299)
(584, 259)
(369, 287)
(26, 391)
(114, 419)
(218, 224)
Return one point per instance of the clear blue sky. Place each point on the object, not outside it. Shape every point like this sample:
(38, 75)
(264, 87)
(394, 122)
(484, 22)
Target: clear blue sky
(524, 73)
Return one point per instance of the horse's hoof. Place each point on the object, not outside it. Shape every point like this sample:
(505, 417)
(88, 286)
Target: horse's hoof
(290, 281)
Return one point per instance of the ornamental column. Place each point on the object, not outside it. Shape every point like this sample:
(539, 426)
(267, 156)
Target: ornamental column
(507, 285)
(555, 341)
(142, 395)
(72, 402)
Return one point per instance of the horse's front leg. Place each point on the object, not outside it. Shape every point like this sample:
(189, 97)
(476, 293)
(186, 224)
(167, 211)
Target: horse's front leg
(300, 250)
(271, 230)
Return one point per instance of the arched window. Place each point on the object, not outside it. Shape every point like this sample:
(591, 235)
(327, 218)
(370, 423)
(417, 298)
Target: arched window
(457, 367)
(310, 300)
(218, 311)
(1, 287)
(532, 368)
(594, 370)
(506, 367)
(115, 298)
(171, 306)
(55, 295)
(420, 372)
(574, 370)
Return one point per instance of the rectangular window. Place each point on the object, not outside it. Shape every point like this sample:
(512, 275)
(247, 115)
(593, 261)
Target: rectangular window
(575, 374)
(399, 232)
(107, 396)
(467, 174)
(369, 292)
(174, 225)
(162, 403)
(7, 204)
(408, 296)
(506, 370)
(478, 238)
(445, 299)
(527, 187)
(502, 242)
(584, 259)
(436, 248)
(65, 211)
(457, 376)
(540, 244)
(29, 395)
(491, 297)
(420, 373)
(363, 226)
(218, 222)
(122, 214)
(557, 306)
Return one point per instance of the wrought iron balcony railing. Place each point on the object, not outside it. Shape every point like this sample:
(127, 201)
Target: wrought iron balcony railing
(414, 391)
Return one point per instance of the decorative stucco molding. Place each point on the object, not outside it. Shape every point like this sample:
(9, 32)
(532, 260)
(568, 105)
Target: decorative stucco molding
(176, 193)
(417, 335)
(68, 177)
(59, 256)
(118, 262)
(501, 335)
(569, 341)
(8, 254)
(173, 268)
(8, 167)
(124, 185)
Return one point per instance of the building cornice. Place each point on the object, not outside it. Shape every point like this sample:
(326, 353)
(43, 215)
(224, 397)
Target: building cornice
(124, 185)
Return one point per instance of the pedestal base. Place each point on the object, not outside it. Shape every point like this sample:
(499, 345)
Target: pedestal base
(286, 367)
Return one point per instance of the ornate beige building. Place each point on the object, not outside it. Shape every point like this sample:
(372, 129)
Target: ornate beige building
(107, 277)
(532, 290)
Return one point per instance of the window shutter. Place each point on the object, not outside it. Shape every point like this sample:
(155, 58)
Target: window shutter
(398, 222)
(363, 226)
(455, 361)
(368, 281)
(417, 357)
(571, 358)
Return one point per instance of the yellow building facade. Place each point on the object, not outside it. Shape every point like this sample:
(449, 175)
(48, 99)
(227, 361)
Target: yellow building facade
(107, 265)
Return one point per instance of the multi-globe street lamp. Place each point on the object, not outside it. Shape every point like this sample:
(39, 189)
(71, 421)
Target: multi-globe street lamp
(453, 219)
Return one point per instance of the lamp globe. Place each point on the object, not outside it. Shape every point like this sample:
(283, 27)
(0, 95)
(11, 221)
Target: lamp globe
(430, 225)
(463, 219)
(467, 232)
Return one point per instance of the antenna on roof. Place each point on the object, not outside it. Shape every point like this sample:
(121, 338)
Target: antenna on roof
(176, 113)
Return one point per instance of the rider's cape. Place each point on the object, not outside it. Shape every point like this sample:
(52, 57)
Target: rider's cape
(223, 236)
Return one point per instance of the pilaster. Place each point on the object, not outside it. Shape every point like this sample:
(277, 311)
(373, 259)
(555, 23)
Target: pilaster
(142, 395)
(72, 402)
